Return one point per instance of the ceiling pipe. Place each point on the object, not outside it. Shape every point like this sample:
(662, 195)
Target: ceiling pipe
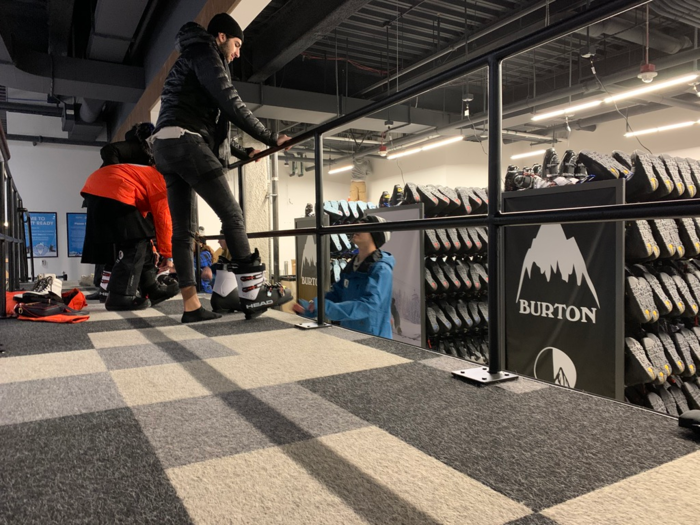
(37, 139)
(31, 109)
(636, 34)
(675, 11)
(461, 43)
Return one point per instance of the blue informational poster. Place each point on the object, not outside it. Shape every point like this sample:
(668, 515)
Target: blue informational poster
(76, 233)
(44, 234)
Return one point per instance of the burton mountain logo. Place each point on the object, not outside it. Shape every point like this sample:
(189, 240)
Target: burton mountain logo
(557, 257)
(308, 259)
(554, 365)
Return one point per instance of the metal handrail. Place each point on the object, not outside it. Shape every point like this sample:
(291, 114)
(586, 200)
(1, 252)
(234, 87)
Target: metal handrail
(495, 220)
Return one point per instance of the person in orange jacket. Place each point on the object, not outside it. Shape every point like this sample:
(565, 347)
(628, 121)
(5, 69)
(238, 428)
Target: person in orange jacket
(119, 197)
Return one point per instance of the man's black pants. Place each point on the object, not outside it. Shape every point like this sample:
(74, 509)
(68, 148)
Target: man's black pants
(188, 166)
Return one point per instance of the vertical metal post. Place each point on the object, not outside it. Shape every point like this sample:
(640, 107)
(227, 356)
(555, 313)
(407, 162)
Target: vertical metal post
(494, 192)
(493, 373)
(321, 264)
(240, 189)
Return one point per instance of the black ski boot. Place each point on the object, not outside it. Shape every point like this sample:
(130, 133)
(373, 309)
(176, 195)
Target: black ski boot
(224, 298)
(254, 294)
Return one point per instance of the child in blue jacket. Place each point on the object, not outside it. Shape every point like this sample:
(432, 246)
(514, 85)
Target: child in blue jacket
(361, 299)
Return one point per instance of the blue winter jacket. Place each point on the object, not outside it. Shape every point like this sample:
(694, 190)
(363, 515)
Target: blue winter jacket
(361, 300)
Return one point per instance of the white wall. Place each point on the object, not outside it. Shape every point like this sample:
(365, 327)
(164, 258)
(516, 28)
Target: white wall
(460, 164)
(49, 178)
(294, 193)
(610, 136)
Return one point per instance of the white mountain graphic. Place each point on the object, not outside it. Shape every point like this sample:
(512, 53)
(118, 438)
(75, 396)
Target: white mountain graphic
(309, 254)
(551, 250)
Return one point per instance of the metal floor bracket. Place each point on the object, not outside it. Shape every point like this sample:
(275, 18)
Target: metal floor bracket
(311, 325)
(482, 376)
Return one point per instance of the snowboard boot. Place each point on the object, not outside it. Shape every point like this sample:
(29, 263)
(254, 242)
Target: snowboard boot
(396, 196)
(623, 158)
(254, 294)
(224, 298)
(686, 176)
(550, 164)
(157, 292)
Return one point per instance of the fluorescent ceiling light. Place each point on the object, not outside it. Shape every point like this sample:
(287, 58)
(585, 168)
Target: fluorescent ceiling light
(567, 111)
(529, 154)
(404, 153)
(656, 86)
(445, 142)
(662, 128)
(432, 145)
(340, 170)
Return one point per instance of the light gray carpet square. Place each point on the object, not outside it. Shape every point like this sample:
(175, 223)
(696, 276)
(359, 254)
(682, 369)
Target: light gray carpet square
(193, 430)
(522, 385)
(57, 397)
(137, 356)
(448, 364)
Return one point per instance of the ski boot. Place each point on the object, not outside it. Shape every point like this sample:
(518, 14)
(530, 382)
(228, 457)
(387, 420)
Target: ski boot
(254, 294)
(224, 298)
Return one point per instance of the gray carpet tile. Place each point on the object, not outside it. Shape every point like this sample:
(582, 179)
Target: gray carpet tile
(348, 335)
(57, 397)
(135, 323)
(28, 338)
(92, 468)
(161, 353)
(448, 364)
(537, 519)
(174, 306)
(401, 349)
(239, 325)
(539, 449)
(193, 430)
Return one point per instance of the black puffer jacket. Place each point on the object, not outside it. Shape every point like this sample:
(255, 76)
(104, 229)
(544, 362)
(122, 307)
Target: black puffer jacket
(198, 94)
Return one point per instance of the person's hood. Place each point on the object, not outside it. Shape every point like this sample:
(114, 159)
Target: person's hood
(192, 33)
(387, 259)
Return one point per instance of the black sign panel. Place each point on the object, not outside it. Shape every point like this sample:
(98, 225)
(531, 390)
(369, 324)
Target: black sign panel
(307, 269)
(564, 292)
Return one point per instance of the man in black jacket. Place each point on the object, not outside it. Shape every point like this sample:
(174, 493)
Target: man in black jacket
(197, 103)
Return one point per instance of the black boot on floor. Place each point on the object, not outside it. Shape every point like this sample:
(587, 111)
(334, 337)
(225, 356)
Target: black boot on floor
(157, 292)
(118, 303)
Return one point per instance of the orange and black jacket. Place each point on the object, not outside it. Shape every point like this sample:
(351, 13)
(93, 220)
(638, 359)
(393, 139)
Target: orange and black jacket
(140, 186)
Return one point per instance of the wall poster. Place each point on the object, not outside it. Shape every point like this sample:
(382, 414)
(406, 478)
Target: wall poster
(44, 236)
(75, 227)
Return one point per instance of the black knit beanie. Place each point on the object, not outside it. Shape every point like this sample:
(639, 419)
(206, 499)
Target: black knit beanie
(379, 238)
(224, 23)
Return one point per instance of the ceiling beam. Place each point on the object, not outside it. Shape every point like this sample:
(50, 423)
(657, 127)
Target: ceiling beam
(295, 28)
(60, 21)
(72, 77)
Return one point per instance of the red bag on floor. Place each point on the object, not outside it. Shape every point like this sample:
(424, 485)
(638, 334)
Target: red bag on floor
(50, 310)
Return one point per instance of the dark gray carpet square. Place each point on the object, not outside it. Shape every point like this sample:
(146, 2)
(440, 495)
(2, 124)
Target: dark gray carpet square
(238, 325)
(401, 349)
(540, 449)
(132, 323)
(93, 468)
(28, 338)
(193, 430)
(57, 397)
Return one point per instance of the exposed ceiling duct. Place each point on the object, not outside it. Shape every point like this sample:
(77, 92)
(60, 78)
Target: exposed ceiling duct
(685, 11)
(634, 33)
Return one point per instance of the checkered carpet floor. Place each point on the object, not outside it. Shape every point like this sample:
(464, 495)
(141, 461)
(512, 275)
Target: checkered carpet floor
(135, 418)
